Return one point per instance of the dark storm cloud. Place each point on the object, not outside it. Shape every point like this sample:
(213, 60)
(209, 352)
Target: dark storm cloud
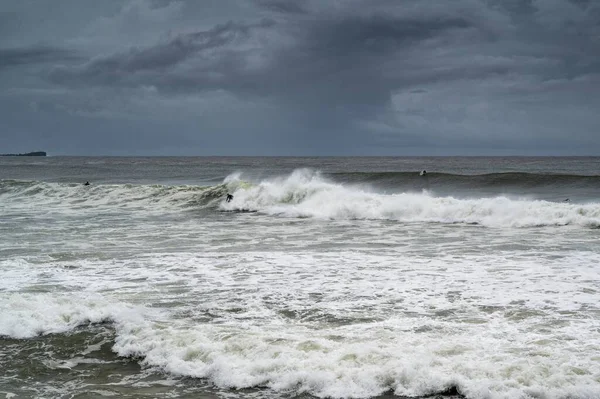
(334, 53)
(211, 61)
(364, 74)
(323, 55)
(10, 57)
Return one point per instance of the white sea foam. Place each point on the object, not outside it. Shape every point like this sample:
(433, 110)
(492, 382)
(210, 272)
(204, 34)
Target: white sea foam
(344, 324)
(306, 194)
(365, 362)
(29, 315)
(383, 327)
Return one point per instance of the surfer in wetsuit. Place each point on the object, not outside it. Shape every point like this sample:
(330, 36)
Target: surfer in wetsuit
(87, 183)
(229, 198)
(423, 174)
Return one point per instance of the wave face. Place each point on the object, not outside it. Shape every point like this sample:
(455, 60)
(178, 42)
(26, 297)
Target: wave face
(107, 196)
(306, 194)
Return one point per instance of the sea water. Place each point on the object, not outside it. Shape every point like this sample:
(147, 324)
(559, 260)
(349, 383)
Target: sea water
(323, 277)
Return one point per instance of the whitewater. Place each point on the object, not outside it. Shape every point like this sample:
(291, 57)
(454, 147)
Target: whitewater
(343, 278)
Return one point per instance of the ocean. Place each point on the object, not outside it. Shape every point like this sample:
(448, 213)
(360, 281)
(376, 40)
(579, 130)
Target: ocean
(323, 277)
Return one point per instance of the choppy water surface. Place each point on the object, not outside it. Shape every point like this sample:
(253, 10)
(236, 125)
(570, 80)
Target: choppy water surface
(328, 277)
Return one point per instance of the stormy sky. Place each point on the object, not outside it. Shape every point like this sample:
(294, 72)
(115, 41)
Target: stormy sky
(304, 77)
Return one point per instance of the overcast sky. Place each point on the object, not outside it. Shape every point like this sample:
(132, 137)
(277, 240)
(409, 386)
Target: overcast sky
(275, 77)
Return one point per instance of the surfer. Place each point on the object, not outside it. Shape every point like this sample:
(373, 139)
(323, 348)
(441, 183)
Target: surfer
(229, 198)
(423, 174)
(87, 183)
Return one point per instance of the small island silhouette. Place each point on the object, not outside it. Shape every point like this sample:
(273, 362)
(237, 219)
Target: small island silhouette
(27, 154)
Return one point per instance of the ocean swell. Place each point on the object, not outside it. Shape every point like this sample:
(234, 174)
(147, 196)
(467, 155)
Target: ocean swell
(302, 194)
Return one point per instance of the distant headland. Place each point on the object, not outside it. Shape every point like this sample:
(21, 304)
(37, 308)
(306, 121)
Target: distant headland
(27, 154)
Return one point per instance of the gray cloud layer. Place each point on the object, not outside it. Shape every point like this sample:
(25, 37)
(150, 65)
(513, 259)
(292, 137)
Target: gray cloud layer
(34, 55)
(307, 77)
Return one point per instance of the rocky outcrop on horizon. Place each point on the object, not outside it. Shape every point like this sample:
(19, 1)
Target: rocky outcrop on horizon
(27, 154)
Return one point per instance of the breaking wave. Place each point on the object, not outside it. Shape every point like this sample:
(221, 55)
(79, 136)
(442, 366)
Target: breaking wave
(309, 194)
(306, 194)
